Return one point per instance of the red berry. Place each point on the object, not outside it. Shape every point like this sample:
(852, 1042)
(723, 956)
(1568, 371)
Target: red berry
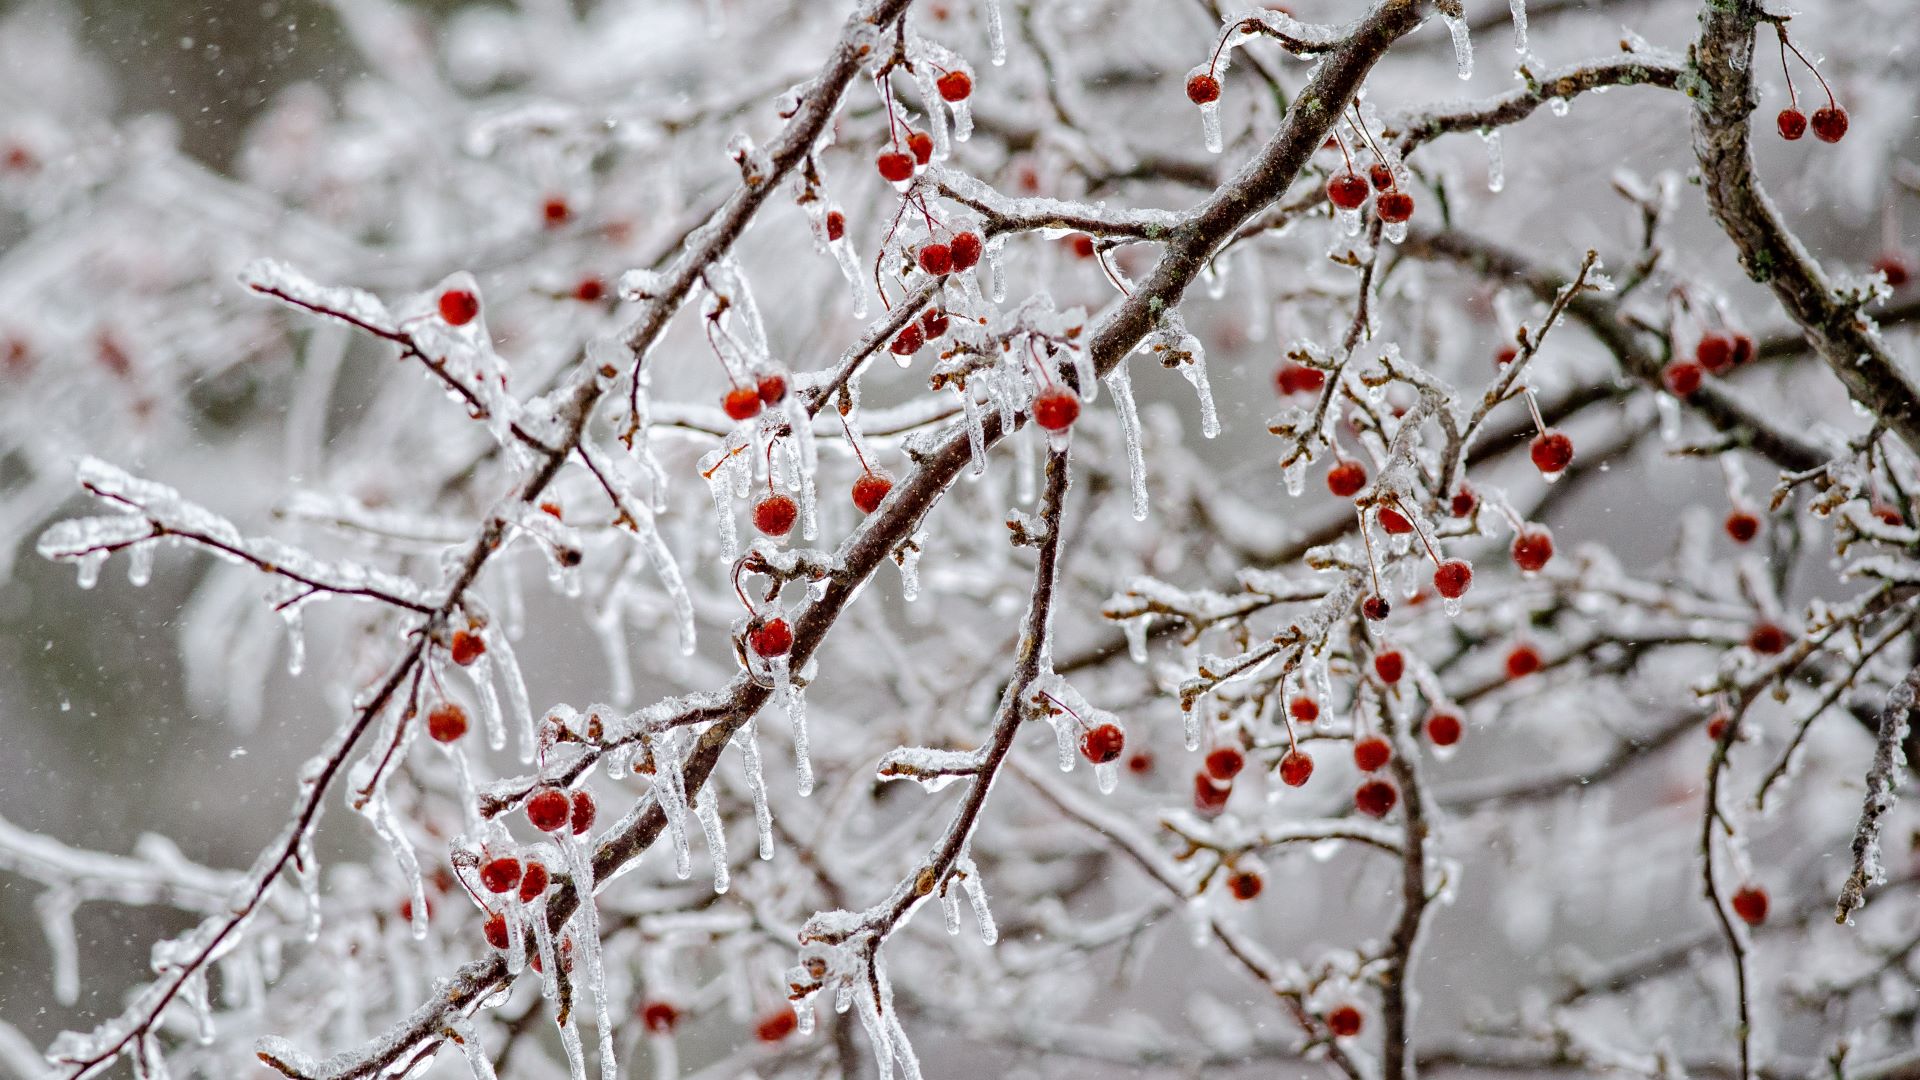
(1551, 451)
(556, 211)
(1382, 176)
(1531, 549)
(1522, 661)
(1056, 409)
(920, 144)
(871, 490)
(1304, 709)
(1830, 124)
(1344, 1021)
(406, 909)
(1225, 763)
(1894, 267)
(933, 323)
(1793, 124)
(501, 874)
(1717, 726)
(1453, 578)
(589, 290)
(1293, 378)
(1714, 351)
(1683, 377)
(659, 1017)
(1347, 190)
(742, 402)
(458, 307)
(1375, 798)
(771, 388)
(1768, 639)
(1463, 502)
(936, 259)
(965, 248)
(1296, 768)
(1750, 903)
(447, 722)
(1140, 762)
(1507, 354)
(1203, 89)
(1371, 753)
(547, 809)
(1443, 729)
(1888, 514)
(1346, 479)
(466, 647)
(583, 812)
(895, 166)
(1389, 665)
(1210, 798)
(1742, 347)
(1393, 206)
(533, 882)
(776, 1026)
(496, 931)
(1082, 245)
(775, 514)
(1376, 607)
(1394, 522)
(909, 340)
(1103, 743)
(836, 225)
(772, 638)
(954, 86)
(1742, 526)
(1244, 884)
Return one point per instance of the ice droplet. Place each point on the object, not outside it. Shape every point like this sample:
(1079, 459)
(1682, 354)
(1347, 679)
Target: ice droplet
(1395, 232)
(1496, 167)
(1210, 127)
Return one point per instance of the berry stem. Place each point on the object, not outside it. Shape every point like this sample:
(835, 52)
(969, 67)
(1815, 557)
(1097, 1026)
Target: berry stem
(855, 443)
(1417, 530)
(1793, 96)
(1782, 32)
(1534, 408)
(1367, 536)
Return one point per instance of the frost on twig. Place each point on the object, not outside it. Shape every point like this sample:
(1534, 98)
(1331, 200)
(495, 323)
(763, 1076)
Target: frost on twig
(1882, 778)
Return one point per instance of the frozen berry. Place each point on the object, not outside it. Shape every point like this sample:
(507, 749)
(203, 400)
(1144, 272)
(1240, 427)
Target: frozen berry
(556, 211)
(1296, 768)
(1375, 798)
(954, 86)
(458, 307)
(871, 490)
(1346, 479)
(1203, 89)
(1224, 763)
(584, 811)
(1293, 378)
(1522, 661)
(908, 341)
(1372, 752)
(1453, 578)
(1393, 206)
(1140, 762)
(965, 249)
(1531, 549)
(1793, 124)
(936, 259)
(1103, 743)
(1742, 347)
(895, 166)
(1443, 729)
(742, 403)
(589, 290)
(1347, 190)
(1888, 514)
(1830, 124)
(1394, 522)
(659, 1017)
(446, 723)
(1389, 665)
(1376, 607)
(1742, 526)
(1714, 351)
(548, 808)
(1683, 378)
(534, 881)
(501, 874)
(1056, 409)
(920, 145)
(1304, 709)
(1210, 798)
(1768, 638)
(1244, 884)
(1895, 268)
(1750, 903)
(781, 1023)
(1551, 451)
(934, 323)
(775, 514)
(496, 931)
(771, 388)
(1717, 727)
(836, 225)
(1082, 245)
(771, 638)
(1463, 502)
(1381, 174)
(466, 647)
(1344, 1021)
(1505, 355)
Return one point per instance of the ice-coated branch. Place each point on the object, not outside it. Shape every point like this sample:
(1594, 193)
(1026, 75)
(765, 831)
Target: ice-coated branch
(1882, 778)
(1560, 84)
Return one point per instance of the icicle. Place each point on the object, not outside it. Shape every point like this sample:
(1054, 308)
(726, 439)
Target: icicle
(587, 943)
(976, 435)
(481, 674)
(1519, 10)
(1496, 168)
(1346, 223)
(708, 811)
(296, 640)
(950, 907)
(1395, 232)
(796, 706)
(1106, 776)
(517, 700)
(1210, 127)
(996, 33)
(306, 873)
(719, 479)
(88, 568)
(140, 564)
(962, 120)
(976, 891)
(1135, 631)
(842, 250)
(576, 1054)
(55, 908)
(193, 990)
(379, 812)
(469, 1042)
(1026, 447)
(908, 559)
(670, 792)
(1462, 45)
(748, 739)
(1190, 728)
(1120, 383)
(1195, 372)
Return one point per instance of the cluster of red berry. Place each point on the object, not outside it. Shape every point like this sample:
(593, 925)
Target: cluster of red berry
(1716, 353)
(1829, 124)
